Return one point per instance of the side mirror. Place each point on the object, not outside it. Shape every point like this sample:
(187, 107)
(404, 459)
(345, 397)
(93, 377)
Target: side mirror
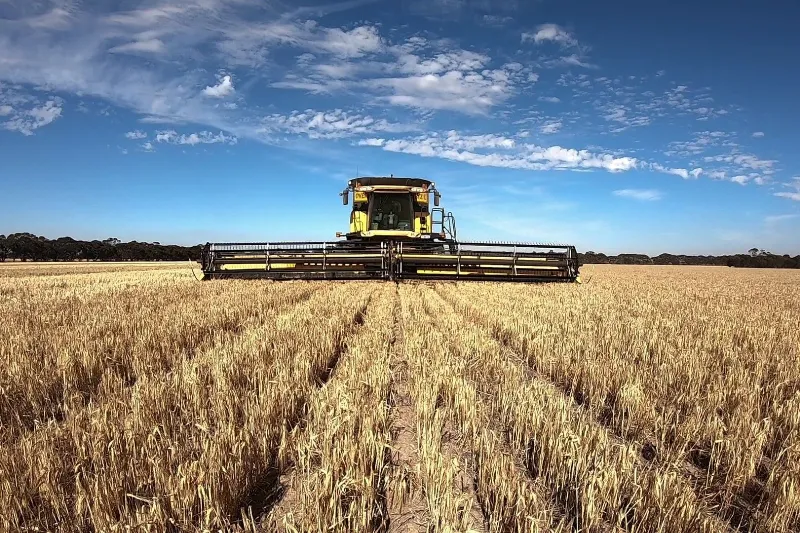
(436, 197)
(345, 196)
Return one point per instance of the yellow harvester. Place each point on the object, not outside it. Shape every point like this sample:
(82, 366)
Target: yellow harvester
(395, 233)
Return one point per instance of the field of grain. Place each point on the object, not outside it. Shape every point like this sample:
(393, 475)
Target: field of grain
(134, 398)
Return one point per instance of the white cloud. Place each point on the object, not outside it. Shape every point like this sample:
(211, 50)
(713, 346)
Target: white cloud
(790, 195)
(418, 74)
(454, 60)
(192, 139)
(148, 147)
(249, 43)
(551, 33)
(550, 99)
(222, 89)
(499, 151)
(335, 124)
(550, 127)
(372, 142)
(682, 172)
(739, 163)
(702, 142)
(740, 179)
(471, 92)
(6, 110)
(644, 195)
(793, 195)
(758, 134)
(26, 121)
(136, 134)
(353, 43)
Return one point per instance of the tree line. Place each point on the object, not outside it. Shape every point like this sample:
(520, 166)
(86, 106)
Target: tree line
(754, 258)
(29, 247)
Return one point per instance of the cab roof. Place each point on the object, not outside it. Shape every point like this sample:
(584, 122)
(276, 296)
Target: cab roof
(391, 180)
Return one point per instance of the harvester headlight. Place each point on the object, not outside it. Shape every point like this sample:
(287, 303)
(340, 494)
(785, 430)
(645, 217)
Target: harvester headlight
(367, 188)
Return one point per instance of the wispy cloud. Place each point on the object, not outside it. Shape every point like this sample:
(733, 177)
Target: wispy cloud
(792, 194)
(552, 126)
(777, 219)
(335, 124)
(550, 33)
(152, 46)
(644, 195)
(682, 172)
(503, 152)
(417, 74)
(364, 80)
(192, 139)
(28, 120)
(136, 134)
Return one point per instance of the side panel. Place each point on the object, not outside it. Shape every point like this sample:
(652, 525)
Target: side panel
(422, 223)
(358, 221)
(422, 216)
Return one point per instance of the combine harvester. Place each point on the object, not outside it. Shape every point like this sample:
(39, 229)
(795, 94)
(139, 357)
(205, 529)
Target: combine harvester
(394, 235)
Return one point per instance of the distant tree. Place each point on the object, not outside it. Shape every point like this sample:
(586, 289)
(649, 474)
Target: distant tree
(753, 252)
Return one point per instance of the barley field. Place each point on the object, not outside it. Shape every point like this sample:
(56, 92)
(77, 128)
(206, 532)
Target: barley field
(134, 398)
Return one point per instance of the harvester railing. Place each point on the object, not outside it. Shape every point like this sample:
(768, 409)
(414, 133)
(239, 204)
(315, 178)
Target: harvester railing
(419, 259)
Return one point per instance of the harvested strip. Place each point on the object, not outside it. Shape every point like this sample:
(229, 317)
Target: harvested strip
(341, 454)
(654, 361)
(184, 450)
(626, 416)
(447, 485)
(598, 477)
(510, 500)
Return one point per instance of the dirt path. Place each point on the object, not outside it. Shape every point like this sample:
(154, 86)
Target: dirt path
(405, 501)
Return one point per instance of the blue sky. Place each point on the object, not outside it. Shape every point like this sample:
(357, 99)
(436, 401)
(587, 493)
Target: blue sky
(618, 127)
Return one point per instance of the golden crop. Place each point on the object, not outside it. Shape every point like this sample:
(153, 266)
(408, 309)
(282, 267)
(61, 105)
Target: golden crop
(134, 398)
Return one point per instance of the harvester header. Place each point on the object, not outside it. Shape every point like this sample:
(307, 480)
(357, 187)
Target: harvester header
(395, 233)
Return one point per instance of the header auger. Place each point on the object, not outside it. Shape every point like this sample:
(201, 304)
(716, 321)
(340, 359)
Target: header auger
(394, 234)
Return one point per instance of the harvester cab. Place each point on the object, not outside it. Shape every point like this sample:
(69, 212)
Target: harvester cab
(394, 234)
(394, 208)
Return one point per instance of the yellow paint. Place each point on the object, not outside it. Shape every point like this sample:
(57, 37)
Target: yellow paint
(359, 222)
(360, 197)
(422, 198)
(422, 228)
(390, 233)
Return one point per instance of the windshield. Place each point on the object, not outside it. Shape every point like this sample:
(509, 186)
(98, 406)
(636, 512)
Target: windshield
(391, 211)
